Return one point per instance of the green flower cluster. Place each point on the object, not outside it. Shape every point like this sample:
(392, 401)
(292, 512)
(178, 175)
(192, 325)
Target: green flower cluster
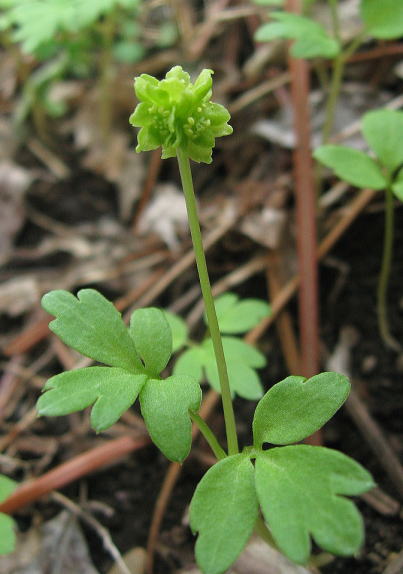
(175, 114)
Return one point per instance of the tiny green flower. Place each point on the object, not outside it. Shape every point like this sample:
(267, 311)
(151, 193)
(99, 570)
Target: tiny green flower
(174, 113)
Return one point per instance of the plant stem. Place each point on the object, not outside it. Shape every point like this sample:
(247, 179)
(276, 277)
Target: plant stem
(335, 19)
(106, 77)
(264, 533)
(208, 435)
(385, 272)
(335, 86)
(187, 183)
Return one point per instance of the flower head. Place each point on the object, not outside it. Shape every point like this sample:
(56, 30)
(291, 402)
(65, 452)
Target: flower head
(174, 113)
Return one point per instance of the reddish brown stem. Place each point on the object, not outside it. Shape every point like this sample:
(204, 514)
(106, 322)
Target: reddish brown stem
(72, 470)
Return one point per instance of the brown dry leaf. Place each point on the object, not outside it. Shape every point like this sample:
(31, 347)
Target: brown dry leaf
(19, 295)
(60, 547)
(14, 182)
(135, 560)
(166, 215)
(260, 558)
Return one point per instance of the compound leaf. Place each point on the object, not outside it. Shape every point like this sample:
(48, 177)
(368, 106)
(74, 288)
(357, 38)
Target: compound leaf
(295, 407)
(224, 511)
(165, 406)
(238, 316)
(383, 18)
(383, 131)
(191, 363)
(240, 359)
(7, 524)
(111, 390)
(311, 39)
(299, 489)
(152, 337)
(179, 330)
(352, 166)
(93, 326)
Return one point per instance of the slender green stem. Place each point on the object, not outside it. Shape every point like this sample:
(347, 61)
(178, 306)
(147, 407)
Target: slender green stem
(264, 533)
(385, 272)
(208, 435)
(187, 183)
(335, 19)
(106, 76)
(335, 87)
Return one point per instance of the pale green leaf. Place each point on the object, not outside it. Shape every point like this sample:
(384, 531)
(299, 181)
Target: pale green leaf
(191, 363)
(383, 131)
(352, 166)
(179, 330)
(238, 316)
(93, 326)
(224, 511)
(300, 490)
(165, 406)
(397, 186)
(269, 2)
(383, 18)
(295, 408)
(152, 337)
(110, 390)
(7, 524)
(311, 39)
(237, 350)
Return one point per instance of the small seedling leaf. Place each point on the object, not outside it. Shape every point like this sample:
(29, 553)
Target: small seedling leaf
(111, 390)
(191, 363)
(383, 18)
(179, 330)
(295, 407)
(241, 360)
(165, 406)
(300, 490)
(238, 316)
(93, 326)
(7, 524)
(152, 337)
(311, 39)
(383, 131)
(352, 166)
(224, 511)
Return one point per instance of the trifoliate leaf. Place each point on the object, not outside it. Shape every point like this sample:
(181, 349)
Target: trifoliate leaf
(383, 131)
(152, 337)
(110, 390)
(93, 326)
(241, 359)
(179, 330)
(352, 166)
(300, 490)
(224, 511)
(295, 408)
(191, 362)
(311, 39)
(383, 18)
(165, 406)
(175, 114)
(7, 524)
(239, 316)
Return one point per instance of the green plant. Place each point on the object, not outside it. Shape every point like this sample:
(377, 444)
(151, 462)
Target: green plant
(234, 317)
(298, 488)
(381, 20)
(382, 130)
(7, 535)
(66, 37)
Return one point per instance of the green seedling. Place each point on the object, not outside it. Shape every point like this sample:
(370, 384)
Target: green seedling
(234, 317)
(300, 490)
(135, 357)
(66, 37)
(7, 525)
(311, 40)
(382, 130)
